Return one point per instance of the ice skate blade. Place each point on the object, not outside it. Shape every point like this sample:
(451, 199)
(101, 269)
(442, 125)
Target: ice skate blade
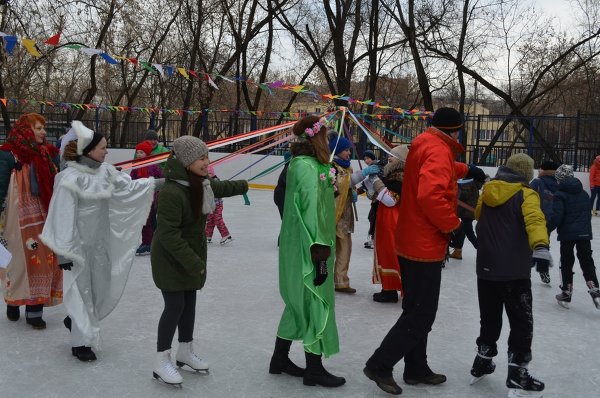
(563, 304)
(183, 366)
(476, 379)
(160, 380)
(597, 303)
(518, 393)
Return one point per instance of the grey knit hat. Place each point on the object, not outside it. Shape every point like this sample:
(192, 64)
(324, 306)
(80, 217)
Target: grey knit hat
(563, 172)
(521, 164)
(151, 135)
(188, 149)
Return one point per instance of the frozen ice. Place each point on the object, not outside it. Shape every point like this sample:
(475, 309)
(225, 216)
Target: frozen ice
(237, 315)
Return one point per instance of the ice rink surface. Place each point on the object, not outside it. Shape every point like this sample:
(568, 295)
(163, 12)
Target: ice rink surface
(237, 315)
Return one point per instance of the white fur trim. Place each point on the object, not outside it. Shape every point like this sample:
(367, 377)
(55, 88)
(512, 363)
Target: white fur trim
(69, 255)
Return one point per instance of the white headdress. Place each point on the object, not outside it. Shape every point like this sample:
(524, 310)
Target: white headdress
(84, 135)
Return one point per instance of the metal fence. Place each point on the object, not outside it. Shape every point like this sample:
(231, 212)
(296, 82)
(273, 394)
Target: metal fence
(574, 139)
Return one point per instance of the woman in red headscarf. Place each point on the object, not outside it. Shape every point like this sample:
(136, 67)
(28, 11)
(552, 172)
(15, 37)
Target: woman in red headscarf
(28, 164)
(142, 150)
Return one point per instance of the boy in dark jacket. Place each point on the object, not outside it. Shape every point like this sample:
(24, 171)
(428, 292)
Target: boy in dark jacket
(545, 185)
(510, 227)
(468, 193)
(571, 215)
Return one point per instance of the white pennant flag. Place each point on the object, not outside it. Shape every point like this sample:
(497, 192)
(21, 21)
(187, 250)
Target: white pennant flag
(160, 69)
(90, 51)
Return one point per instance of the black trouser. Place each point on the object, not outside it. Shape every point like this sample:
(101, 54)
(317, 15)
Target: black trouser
(515, 297)
(408, 337)
(179, 313)
(466, 229)
(372, 217)
(567, 260)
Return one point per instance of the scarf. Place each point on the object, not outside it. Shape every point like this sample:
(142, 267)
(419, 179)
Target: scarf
(341, 162)
(21, 142)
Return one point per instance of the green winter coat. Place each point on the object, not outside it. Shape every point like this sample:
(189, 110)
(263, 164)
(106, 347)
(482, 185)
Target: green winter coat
(178, 253)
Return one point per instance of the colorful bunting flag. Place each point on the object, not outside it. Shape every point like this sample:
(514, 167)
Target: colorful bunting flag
(30, 46)
(53, 40)
(108, 58)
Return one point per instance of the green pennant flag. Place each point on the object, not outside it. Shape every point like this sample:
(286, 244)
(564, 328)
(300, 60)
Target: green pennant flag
(147, 66)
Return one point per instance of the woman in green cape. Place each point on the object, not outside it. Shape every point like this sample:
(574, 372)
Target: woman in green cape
(306, 258)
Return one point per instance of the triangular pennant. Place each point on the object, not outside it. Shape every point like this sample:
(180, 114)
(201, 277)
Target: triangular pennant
(133, 60)
(90, 51)
(30, 46)
(160, 69)
(109, 59)
(3, 100)
(147, 66)
(53, 40)
(210, 81)
(193, 73)
(169, 69)
(9, 43)
(183, 73)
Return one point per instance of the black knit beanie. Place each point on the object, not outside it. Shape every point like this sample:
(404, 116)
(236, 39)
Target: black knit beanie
(447, 119)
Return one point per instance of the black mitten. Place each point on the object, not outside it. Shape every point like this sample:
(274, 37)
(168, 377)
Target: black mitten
(66, 266)
(320, 272)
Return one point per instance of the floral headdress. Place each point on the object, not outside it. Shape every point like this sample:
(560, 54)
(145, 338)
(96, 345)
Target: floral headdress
(310, 132)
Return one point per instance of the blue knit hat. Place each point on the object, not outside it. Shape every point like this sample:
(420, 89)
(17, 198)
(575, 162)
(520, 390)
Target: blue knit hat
(369, 154)
(342, 144)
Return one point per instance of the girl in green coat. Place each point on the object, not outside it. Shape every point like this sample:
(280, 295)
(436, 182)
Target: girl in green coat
(307, 244)
(178, 253)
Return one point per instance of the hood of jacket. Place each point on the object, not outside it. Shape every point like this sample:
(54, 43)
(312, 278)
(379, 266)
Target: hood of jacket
(503, 187)
(570, 185)
(174, 170)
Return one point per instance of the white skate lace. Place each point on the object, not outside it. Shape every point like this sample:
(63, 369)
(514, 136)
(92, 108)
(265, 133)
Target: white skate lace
(170, 369)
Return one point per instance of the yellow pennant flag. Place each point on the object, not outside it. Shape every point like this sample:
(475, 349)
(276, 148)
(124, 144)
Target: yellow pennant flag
(29, 44)
(183, 73)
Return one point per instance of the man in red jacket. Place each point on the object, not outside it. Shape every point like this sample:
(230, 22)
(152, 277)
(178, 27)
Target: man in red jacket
(427, 217)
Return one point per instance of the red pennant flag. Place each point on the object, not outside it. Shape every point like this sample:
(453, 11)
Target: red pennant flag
(133, 60)
(193, 73)
(3, 100)
(53, 41)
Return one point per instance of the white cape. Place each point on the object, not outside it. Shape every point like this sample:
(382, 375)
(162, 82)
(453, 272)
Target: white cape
(95, 220)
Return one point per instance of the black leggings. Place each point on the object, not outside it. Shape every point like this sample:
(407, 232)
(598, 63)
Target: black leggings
(179, 313)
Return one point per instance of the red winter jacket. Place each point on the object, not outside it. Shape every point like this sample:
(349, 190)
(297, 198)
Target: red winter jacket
(429, 196)
(595, 174)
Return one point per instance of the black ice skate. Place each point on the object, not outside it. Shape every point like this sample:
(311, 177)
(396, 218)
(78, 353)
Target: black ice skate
(595, 293)
(564, 298)
(521, 384)
(483, 364)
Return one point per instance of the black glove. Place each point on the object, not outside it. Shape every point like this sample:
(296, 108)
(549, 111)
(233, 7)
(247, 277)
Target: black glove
(321, 272)
(475, 173)
(66, 266)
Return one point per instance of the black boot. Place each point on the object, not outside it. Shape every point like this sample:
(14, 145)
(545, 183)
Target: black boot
(83, 353)
(425, 376)
(386, 296)
(386, 383)
(280, 361)
(33, 316)
(316, 374)
(13, 313)
(67, 322)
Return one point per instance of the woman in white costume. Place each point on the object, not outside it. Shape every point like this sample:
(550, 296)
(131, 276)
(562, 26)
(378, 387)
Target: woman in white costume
(94, 223)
